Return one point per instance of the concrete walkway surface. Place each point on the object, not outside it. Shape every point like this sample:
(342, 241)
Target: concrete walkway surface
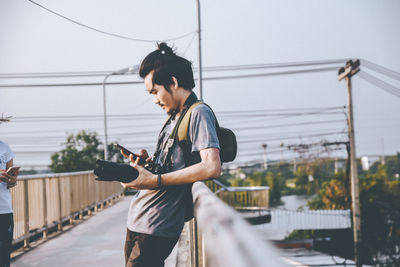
(98, 241)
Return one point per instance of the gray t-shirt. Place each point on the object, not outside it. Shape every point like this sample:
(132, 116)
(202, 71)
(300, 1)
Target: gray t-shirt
(162, 212)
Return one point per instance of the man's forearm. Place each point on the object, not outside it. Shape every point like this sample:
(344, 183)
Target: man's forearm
(209, 167)
(198, 172)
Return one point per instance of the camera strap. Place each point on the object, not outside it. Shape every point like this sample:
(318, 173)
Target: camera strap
(166, 151)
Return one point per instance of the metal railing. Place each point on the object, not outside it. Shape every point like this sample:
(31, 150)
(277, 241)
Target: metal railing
(219, 236)
(44, 201)
(247, 197)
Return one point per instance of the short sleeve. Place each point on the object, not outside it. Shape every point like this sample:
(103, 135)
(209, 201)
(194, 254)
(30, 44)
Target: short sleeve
(202, 129)
(6, 153)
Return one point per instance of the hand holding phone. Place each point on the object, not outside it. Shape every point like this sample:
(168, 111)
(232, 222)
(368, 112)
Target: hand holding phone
(10, 176)
(127, 152)
(13, 171)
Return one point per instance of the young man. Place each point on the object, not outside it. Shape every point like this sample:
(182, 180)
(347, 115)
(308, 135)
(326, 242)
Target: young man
(157, 213)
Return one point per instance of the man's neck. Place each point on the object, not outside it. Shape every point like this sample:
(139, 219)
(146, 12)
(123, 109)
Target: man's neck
(187, 100)
(183, 98)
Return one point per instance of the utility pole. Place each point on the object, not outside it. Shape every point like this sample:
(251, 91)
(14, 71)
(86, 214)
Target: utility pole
(199, 68)
(264, 146)
(346, 73)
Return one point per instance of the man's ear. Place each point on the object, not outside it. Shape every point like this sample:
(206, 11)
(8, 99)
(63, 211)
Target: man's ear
(175, 84)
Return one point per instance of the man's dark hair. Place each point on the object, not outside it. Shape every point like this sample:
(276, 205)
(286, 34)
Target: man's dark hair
(166, 64)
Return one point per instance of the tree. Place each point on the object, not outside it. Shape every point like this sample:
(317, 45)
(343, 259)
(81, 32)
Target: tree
(380, 205)
(81, 152)
(332, 195)
(275, 183)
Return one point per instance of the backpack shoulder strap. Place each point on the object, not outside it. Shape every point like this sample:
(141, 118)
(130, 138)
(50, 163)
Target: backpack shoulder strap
(183, 127)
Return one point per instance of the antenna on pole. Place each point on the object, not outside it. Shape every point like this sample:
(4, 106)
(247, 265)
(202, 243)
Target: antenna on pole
(4, 119)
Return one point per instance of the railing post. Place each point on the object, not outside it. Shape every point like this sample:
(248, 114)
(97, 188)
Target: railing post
(194, 244)
(44, 208)
(59, 203)
(26, 214)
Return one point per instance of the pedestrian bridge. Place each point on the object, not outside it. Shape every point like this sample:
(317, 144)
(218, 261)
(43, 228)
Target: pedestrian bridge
(217, 237)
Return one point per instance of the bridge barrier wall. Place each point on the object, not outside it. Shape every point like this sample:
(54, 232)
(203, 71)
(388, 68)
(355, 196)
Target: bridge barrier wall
(42, 201)
(219, 236)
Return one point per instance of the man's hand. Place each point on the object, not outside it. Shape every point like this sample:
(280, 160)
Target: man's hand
(142, 155)
(11, 180)
(146, 179)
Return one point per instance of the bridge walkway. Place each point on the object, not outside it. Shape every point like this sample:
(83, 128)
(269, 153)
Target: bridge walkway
(97, 241)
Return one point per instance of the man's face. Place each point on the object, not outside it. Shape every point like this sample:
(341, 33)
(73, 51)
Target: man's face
(162, 97)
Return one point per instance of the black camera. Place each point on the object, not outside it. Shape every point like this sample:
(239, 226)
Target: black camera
(109, 171)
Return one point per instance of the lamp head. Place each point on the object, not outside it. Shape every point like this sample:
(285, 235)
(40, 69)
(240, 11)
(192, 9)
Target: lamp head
(128, 70)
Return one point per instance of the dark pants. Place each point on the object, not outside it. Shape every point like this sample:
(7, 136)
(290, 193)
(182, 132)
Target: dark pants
(6, 236)
(143, 250)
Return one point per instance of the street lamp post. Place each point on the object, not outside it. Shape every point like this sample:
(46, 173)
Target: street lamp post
(199, 68)
(129, 70)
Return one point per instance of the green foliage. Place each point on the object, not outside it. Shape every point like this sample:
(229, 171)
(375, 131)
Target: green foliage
(81, 152)
(334, 194)
(391, 167)
(239, 182)
(275, 183)
(321, 171)
(380, 213)
(380, 206)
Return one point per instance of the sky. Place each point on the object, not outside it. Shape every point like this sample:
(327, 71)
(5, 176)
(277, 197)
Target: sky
(34, 40)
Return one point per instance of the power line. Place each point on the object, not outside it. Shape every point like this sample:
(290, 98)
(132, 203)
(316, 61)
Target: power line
(256, 75)
(378, 68)
(209, 69)
(227, 77)
(67, 84)
(373, 66)
(277, 151)
(277, 65)
(155, 132)
(298, 134)
(286, 125)
(50, 141)
(379, 83)
(112, 34)
(240, 121)
(146, 116)
(245, 119)
(286, 138)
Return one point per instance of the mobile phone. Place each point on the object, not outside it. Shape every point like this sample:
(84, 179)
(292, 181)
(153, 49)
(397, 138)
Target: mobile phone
(13, 170)
(128, 152)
